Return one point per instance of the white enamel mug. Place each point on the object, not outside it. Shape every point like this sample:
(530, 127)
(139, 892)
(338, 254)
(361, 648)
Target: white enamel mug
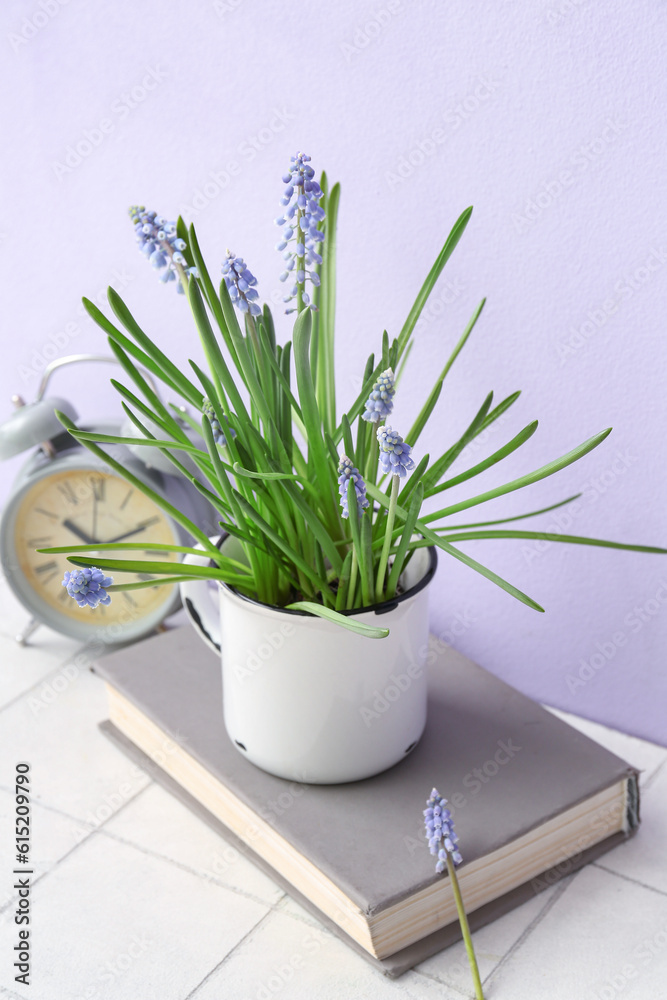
(308, 700)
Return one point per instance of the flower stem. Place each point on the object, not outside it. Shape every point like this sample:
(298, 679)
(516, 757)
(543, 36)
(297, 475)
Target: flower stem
(352, 586)
(465, 929)
(384, 558)
(300, 262)
(255, 339)
(182, 276)
(261, 360)
(372, 460)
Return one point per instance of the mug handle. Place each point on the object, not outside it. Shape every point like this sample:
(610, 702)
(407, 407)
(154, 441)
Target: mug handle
(202, 604)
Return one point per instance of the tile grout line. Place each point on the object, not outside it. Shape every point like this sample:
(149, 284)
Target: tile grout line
(202, 875)
(46, 805)
(40, 878)
(11, 994)
(91, 833)
(275, 907)
(409, 991)
(652, 777)
(57, 667)
(77, 819)
(220, 964)
(199, 873)
(279, 907)
(441, 982)
(607, 727)
(510, 949)
(560, 891)
(628, 878)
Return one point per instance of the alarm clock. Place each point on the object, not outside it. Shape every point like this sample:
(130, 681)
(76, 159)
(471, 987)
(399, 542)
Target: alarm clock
(64, 495)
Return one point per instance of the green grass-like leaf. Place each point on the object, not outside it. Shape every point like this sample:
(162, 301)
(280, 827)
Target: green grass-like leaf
(317, 449)
(429, 405)
(157, 498)
(432, 277)
(274, 481)
(487, 463)
(507, 520)
(325, 377)
(180, 384)
(163, 581)
(550, 536)
(522, 481)
(406, 538)
(440, 466)
(164, 569)
(369, 631)
(447, 547)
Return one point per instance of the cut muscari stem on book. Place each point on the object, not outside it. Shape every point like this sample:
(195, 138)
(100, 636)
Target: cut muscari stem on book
(571, 799)
(443, 842)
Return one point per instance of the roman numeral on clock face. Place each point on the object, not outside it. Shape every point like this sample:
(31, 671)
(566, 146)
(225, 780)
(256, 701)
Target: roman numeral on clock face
(147, 522)
(88, 506)
(45, 567)
(67, 491)
(47, 513)
(99, 489)
(47, 571)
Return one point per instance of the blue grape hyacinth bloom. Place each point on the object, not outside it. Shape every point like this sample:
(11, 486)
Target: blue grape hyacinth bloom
(217, 431)
(394, 453)
(347, 472)
(380, 403)
(241, 283)
(158, 240)
(88, 586)
(442, 839)
(301, 219)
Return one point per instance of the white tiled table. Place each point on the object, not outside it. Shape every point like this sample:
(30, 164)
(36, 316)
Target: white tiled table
(136, 898)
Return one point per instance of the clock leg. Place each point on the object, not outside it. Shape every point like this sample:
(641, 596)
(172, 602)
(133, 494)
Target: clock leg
(23, 637)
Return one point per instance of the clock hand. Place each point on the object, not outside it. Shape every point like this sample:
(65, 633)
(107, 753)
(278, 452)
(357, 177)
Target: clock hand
(79, 533)
(120, 538)
(94, 528)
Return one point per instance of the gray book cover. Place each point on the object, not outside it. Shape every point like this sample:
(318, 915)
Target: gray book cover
(506, 765)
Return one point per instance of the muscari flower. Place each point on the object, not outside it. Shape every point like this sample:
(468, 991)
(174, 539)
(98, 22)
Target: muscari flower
(216, 429)
(159, 241)
(442, 839)
(380, 403)
(301, 233)
(394, 452)
(88, 586)
(347, 472)
(240, 282)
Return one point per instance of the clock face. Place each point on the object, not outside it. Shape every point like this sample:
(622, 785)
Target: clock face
(82, 506)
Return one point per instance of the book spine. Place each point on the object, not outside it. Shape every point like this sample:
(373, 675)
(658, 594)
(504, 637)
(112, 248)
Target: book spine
(632, 803)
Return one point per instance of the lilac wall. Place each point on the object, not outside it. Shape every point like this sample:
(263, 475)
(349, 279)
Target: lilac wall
(547, 117)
